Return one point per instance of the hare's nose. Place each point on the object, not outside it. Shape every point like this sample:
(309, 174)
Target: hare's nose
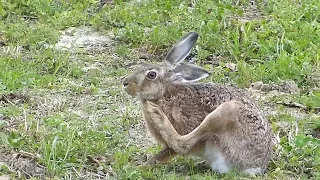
(125, 83)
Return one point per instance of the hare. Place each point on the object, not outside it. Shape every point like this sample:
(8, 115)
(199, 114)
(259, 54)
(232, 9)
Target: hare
(215, 122)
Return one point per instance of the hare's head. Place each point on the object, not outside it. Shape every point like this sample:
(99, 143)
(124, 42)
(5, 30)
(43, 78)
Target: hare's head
(149, 81)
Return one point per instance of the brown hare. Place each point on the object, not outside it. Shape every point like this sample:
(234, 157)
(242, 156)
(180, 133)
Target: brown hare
(215, 122)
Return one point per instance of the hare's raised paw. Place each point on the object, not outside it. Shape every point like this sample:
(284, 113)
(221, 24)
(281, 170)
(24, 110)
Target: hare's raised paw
(150, 106)
(154, 112)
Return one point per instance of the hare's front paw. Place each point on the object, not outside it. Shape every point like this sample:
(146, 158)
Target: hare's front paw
(152, 161)
(150, 106)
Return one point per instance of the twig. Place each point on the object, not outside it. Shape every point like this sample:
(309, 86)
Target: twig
(298, 105)
(25, 173)
(293, 105)
(30, 17)
(128, 144)
(6, 122)
(25, 119)
(78, 174)
(38, 123)
(25, 154)
(6, 100)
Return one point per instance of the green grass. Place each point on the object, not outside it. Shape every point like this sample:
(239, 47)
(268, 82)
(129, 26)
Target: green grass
(72, 113)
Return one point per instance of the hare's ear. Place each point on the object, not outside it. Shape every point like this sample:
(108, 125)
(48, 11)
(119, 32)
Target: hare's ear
(182, 48)
(189, 73)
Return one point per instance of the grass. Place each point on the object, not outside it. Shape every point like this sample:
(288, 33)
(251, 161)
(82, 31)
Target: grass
(77, 122)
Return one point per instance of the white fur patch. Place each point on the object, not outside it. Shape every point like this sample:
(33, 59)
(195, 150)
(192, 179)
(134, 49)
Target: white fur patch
(253, 171)
(216, 159)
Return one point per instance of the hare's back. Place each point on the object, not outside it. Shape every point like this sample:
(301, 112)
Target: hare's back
(186, 105)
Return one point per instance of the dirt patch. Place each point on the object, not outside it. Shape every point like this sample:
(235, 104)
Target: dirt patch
(316, 133)
(213, 60)
(83, 38)
(250, 12)
(24, 165)
(8, 122)
(287, 86)
(104, 2)
(4, 177)
(314, 77)
(139, 135)
(264, 95)
(269, 107)
(14, 98)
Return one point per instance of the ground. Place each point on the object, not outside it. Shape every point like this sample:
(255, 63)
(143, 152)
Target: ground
(64, 115)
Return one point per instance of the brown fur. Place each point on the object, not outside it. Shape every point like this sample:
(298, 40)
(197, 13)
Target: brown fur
(187, 105)
(190, 118)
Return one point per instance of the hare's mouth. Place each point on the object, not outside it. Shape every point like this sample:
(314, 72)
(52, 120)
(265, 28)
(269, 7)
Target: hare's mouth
(130, 91)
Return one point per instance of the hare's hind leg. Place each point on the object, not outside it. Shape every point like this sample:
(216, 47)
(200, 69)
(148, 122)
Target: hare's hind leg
(222, 119)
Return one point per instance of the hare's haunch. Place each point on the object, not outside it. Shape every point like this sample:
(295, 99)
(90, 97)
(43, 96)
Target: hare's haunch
(218, 123)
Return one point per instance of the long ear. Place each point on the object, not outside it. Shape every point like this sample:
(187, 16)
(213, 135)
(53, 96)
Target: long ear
(182, 48)
(189, 73)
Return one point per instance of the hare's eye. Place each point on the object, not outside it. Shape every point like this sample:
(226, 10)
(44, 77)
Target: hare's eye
(152, 75)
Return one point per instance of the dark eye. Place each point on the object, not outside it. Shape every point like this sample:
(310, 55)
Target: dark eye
(152, 75)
